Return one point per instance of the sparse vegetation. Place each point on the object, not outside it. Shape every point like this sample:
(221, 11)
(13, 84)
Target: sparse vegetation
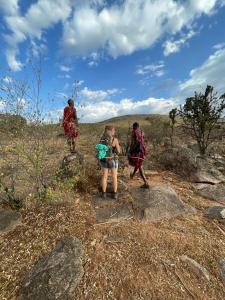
(200, 115)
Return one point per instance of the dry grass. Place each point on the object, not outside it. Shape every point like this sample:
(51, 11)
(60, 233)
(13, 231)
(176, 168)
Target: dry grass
(142, 262)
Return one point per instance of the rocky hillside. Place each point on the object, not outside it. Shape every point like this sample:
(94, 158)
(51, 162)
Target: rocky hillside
(167, 242)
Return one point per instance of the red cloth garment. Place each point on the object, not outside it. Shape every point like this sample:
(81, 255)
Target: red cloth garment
(137, 151)
(70, 122)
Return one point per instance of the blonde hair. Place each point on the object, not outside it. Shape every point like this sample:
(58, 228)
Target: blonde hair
(106, 135)
(108, 128)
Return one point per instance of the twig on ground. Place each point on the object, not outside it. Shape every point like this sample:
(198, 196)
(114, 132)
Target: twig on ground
(220, 229)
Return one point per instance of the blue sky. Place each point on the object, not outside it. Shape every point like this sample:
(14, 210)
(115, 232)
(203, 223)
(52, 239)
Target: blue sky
(129, 56)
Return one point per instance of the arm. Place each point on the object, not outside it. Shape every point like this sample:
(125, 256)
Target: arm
(117, 145)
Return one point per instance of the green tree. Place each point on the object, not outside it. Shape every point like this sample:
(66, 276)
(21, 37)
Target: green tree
(200, 115)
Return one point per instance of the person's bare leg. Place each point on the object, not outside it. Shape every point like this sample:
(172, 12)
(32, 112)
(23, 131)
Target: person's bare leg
(142, 173)
(73, 146)
(104, 179)
(114, 179)
(133, 174)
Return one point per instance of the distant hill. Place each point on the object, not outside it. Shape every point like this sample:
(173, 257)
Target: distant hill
(129, 119)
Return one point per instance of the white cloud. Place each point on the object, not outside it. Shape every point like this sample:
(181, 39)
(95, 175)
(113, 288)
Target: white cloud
(7, 79)
(172, 46)
(94, 112)
(2, 105)
(21, 103)
(92, 25)
(219, 46)
(153, 69)
(98, 95)
(125, 28)
(210, 72)
(64, 68)
(40, 16)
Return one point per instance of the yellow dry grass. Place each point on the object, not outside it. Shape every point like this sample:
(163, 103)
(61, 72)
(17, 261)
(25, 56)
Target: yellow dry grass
(129, 260)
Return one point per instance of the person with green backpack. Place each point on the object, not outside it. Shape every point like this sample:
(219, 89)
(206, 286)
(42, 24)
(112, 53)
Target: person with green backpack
(108, 150)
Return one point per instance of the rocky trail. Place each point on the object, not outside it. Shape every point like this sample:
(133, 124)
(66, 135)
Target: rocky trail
(168, 240)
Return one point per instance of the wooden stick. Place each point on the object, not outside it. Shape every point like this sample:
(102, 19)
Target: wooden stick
(220, 229)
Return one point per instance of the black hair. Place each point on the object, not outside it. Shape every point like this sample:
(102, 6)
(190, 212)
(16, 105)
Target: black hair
(70, 101)
(136, 125)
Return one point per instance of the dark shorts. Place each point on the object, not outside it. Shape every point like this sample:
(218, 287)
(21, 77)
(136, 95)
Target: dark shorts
(109, 164)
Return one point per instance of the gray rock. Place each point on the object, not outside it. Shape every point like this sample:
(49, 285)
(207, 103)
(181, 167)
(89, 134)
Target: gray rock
(69, 165)
(190, 165)
(213, 192)
(9, 219)
(222, 269)
(207, 172)
(56, 275)
(216, 212)
(198, 269)
(114, 213)
(157, 203)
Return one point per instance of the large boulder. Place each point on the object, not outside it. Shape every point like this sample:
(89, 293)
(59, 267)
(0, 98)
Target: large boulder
(56, 275)
(212, 192)
(189, 164)
(157, 203)
(70, 164)
(9, 219)
(207, 172)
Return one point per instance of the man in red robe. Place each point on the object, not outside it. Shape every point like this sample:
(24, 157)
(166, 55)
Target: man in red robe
(70, 124)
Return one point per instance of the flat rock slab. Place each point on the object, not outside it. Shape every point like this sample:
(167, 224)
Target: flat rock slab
(157, 203)
(114, 214)
(9, 220)
(212, 192)
(56, 275)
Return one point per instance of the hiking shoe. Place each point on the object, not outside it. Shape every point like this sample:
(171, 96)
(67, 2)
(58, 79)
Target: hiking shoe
(115, 196)
(145, 186)
(104, 195)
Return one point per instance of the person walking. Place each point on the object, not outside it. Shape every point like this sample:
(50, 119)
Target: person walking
(137, 153)
(70, 124)
(108, 150)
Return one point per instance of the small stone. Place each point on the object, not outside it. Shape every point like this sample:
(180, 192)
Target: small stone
(216, 212)
(222, 269)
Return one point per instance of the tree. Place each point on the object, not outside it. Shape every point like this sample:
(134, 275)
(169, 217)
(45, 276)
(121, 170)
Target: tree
(200, 115)
(172, 115)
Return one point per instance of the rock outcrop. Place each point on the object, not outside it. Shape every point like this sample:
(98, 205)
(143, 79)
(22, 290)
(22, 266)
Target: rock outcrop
(157, 203)
(56, 275)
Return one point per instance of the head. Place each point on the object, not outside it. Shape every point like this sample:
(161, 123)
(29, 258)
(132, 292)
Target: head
(136, 125)
(70, 102)
(110, 130)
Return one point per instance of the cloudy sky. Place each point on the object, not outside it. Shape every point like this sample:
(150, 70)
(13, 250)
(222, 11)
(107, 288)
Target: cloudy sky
(130, 56)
